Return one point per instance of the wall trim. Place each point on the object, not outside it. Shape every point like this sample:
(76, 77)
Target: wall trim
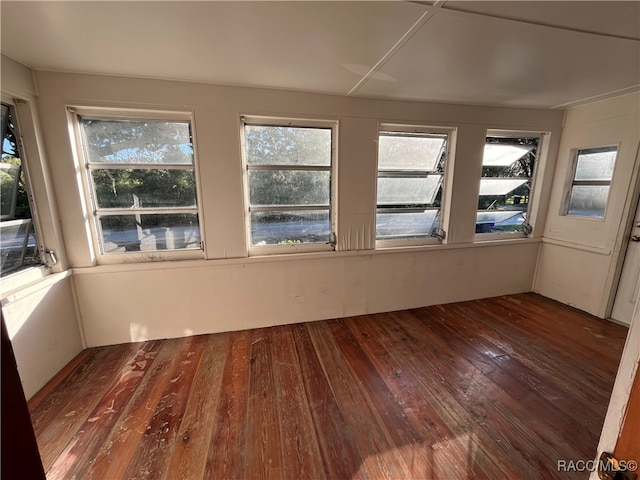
(293, 257)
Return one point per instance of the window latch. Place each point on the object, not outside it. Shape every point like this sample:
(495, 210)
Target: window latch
(332, 240)
(526, 228)
(50, 258)
(440, 234)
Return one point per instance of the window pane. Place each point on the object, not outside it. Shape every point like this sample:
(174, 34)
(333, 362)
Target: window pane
(588, 200)
(500, 220)
(290, 227)
(147, 233)
(144, 188)
(408, 190)
(501, 155)
(15, 209)
(289, 187)
(275, 145)
(500, 186)
(505, 187)
(17, 245)
(596, 163)
(407, 224)
(138, 141)
(399, 152)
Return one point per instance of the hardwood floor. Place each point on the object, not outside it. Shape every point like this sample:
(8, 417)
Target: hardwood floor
(501, 388)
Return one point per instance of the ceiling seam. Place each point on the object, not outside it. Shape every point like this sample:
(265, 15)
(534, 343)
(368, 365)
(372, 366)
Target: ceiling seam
(467, 13)
(596, 98)
(424, 18)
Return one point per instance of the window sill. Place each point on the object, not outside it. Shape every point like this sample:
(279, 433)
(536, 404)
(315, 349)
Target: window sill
(293, 257)
(407, 243)
(271, 250)
(150, 257)
(489, 237)
(21, 279)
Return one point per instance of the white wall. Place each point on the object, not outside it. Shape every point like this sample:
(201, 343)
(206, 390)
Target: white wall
(38, 304)
(579, 258)
(133, 303)
(43, 328)
(226, 290)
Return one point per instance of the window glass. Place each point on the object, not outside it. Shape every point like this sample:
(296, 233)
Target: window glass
(289, 170)
(18, 245)
(283, 145)
(406, 223)
(138, 141)
(282, 187)
(290, 227)
(142, 177)
(144, 188)
(508, 165)
(149, 232)
(411, 169)
(588, 200)
(410, 152)
(591, 182)
(596, 164)
(408, 190)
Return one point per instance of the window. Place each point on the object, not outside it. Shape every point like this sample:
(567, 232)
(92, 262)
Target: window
(289, 183)
(592, 173)
(411, 168)
(18, 246)
(142, 183)
(508, 166)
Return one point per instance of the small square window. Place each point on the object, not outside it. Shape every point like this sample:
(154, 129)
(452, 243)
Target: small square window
(508, 165)
(592, 174)
(411, 168)
(289, 185)
(141, 178)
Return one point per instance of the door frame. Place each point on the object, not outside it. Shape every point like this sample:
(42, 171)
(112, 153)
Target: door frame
(619, 400)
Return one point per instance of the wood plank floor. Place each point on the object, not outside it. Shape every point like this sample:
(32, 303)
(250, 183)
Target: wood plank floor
(500, 388)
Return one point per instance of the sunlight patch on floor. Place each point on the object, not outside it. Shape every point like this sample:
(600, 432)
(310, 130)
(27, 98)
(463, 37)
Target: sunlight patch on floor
(452, 458)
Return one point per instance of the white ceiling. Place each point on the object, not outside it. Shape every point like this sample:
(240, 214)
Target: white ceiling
(513, 53)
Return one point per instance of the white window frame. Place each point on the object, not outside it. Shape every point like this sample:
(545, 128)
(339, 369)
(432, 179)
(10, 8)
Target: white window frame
(90, 204)
(571, 182)
(542, 137)
(257, 250)
(448, 169)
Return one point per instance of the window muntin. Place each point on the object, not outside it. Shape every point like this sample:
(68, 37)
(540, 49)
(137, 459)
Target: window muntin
(508, 165)
(141, 175)
(411, 167)
(18, 245)
(592, 175)
(289, 173)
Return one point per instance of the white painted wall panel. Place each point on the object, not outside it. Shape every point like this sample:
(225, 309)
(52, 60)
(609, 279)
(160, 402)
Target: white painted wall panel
(16, 78)
(573, 276)
(133, 303)
(580, 262)
(42, 325)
